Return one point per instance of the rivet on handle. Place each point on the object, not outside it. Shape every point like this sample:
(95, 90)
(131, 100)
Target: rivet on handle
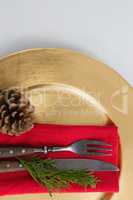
(11, 152)
(7, 165)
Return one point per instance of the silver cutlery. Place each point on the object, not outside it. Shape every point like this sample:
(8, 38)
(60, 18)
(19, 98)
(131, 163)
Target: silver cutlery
(81, 147)
(64, 164)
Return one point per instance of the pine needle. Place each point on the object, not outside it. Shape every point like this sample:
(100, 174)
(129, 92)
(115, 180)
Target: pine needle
(46, 173)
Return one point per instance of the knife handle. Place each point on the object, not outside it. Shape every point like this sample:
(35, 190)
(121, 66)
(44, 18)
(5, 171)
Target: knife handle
(8, 152)
(10, 166)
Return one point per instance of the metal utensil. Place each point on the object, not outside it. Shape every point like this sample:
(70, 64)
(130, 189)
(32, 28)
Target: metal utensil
(81, 147)
(64, 164)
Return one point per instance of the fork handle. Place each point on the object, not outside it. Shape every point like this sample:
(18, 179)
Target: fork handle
(8, 152)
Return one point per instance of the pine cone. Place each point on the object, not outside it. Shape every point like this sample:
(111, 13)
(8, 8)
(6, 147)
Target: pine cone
(15, 112)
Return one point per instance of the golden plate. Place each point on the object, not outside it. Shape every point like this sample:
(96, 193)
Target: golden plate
(69, 88)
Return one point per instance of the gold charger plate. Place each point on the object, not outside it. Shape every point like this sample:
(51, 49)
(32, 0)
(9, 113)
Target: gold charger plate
(70, 88)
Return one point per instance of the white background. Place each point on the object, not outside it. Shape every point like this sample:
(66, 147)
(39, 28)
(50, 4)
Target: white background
(102, 29)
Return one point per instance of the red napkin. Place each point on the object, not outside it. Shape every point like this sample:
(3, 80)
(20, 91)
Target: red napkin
(22, 183)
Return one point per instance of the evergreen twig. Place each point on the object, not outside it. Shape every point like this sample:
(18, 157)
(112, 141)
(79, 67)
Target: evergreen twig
(46, 173)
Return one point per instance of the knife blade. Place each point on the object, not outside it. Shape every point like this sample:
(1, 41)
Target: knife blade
(64, 164)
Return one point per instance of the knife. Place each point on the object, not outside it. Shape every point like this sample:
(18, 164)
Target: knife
(64, 164)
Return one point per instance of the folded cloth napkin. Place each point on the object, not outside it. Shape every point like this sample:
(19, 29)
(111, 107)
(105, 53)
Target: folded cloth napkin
(22, 183)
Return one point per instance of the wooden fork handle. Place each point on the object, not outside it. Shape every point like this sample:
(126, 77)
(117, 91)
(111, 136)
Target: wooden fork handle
(8, 152)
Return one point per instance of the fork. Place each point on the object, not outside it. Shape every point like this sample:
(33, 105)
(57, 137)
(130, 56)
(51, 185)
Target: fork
(81, 147)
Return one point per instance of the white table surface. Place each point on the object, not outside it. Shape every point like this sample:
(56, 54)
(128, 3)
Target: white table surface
(102, 29)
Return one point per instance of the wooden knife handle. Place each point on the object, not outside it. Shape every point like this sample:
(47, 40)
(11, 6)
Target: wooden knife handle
(8, 152)
(10, 166)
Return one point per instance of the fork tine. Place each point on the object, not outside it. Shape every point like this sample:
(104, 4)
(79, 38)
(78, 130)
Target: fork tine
(98, 142)
(98, 148)
(97, 154)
